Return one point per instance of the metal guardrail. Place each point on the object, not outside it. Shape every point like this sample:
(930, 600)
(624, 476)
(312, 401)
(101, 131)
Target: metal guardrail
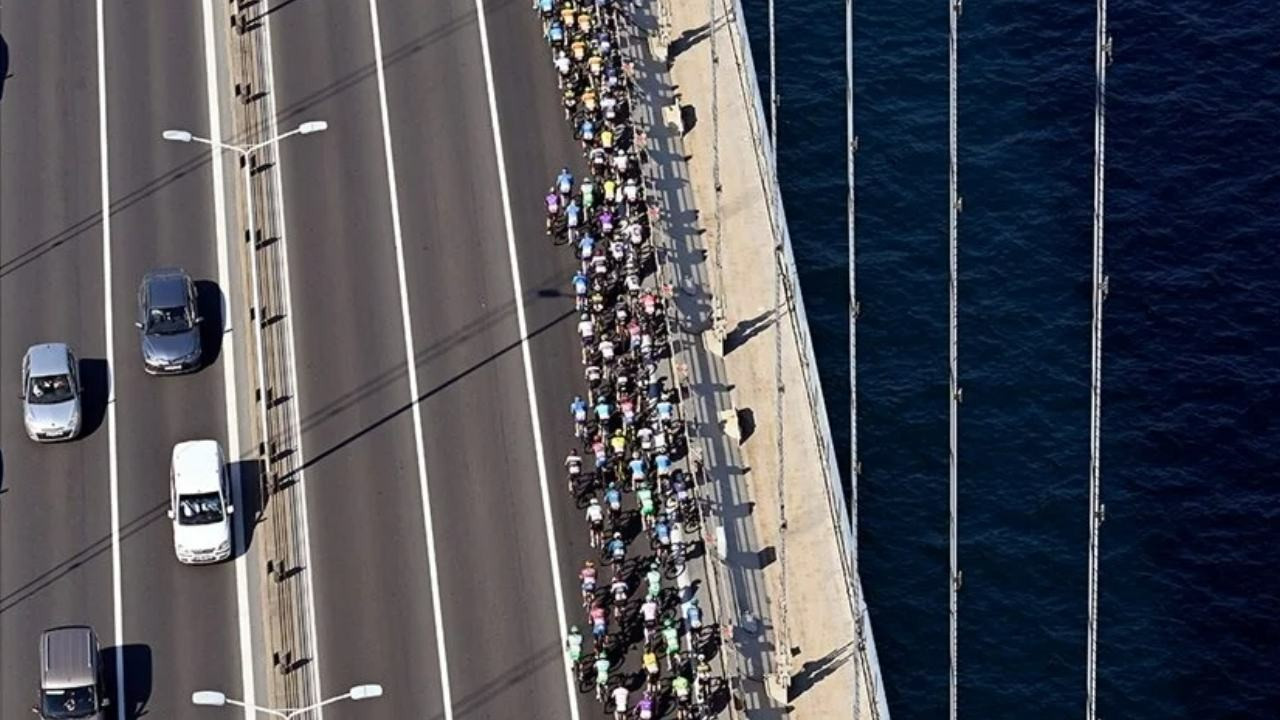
(279, 511)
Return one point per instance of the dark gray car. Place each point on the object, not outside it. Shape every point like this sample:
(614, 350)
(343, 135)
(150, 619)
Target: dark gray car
(169, 321)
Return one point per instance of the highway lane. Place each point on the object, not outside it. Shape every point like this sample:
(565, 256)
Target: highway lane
(368, 547)
(502, 635)
(180, 622)
(55, 519)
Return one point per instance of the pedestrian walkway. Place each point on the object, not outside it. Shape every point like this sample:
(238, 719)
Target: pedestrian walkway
(809, 655)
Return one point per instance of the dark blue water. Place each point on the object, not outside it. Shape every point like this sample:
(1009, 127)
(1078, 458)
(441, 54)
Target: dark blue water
(1191, 477)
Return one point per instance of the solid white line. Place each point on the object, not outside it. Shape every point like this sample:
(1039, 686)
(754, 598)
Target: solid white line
(557, 587)
(412, 364)
(245, 628)
(113, 466)
(291, 364)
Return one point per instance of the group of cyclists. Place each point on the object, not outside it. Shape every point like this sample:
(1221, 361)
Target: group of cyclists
(627, 423)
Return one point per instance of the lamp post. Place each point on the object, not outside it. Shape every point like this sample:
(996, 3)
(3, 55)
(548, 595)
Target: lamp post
(245, 152)
(214, 698)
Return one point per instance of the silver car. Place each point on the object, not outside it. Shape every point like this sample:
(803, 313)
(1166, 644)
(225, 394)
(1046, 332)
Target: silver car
(169, 322)
(50, 393)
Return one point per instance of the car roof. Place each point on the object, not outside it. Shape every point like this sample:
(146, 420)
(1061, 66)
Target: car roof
(48, 359)
(68, 657)
(197, 466)
(166, 287)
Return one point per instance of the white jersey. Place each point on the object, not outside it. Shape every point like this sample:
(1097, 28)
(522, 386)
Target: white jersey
(650, 611)
(620, 698)
(587, 329)
(606, 349)
(595, 514)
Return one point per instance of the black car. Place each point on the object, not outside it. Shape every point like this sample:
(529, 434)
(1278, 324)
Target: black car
(169, 321)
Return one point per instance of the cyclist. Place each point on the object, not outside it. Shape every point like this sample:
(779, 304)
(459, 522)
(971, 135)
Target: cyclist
(587, 578)
(599, 625)
(616, 550)
(619, 590)
(595, 522)
(564, 182)
(578, 50)
(648, 509)
(586, 328)
(628, 408)
(613, 498)
(619, 443)
(645, 436)
(586, 246)
(661, 536)
(649, 613)
(573, 465)
(580, 289)
(605, 220)
(573, 644)
(604, 410)
(593, 374)
(588, 186)
(606, 139)
(620, 702)
(606, 349)
(602, 675)
(651, 668)
(602, 457)
(680, 686)
(693, 617)
(561, 60)
(587, 132)
(595, 64)
(666, 410)
(646, 707)
(702, 678)
(662, 463)
(578, 409)
(671, 644)
(637, 469)
(572, 214)
(598, 158)
(567, 14)
(653, 580)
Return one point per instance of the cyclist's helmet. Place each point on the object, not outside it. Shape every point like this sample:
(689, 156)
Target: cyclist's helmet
(595, 501)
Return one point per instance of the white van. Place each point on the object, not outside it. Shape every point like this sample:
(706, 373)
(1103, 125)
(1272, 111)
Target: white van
(200, 503)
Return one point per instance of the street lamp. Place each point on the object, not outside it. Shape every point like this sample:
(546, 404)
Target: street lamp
(214, 698)
(245, 151)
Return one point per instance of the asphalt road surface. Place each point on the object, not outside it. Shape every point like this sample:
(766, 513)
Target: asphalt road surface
(367, 476)
(180, 623)
(374, 601)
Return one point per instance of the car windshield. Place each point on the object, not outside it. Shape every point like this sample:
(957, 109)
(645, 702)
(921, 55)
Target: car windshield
(166, 321)
(69, 703)
(49, 390)
(200, 509)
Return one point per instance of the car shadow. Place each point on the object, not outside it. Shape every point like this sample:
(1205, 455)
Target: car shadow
(93, 400)
(136, 671)
(4, 64)
(210, 303)
(246, 495)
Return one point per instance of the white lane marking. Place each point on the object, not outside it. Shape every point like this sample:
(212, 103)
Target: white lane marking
(245, 628)
(411, 363)
(291, 363)
(113, 465)
(557, 587)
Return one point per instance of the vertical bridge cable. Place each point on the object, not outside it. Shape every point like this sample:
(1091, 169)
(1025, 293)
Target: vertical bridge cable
(854, 469)
(953, 211)
(1102, 57)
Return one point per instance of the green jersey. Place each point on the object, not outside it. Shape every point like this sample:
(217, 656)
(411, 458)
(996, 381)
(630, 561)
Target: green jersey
(681, 685)
(671, 638)
(646, 500)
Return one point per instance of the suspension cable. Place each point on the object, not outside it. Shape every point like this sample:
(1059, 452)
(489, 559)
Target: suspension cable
(953, 212)
(1102, 57)
(851, 146)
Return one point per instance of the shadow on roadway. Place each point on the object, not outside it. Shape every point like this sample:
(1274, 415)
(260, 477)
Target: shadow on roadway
(471, 329)
(93, 401)
(501, 682)
(407, 406)
(4, 64)
(42, 581)
(246, 494)
(137, 678)
(93, 219)
(389, 58)
(211, 304)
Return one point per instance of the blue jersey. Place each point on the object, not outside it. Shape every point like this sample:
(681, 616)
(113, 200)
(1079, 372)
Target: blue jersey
(564, 181)
(663, 463)
(637, 468)
(546, 6)
(613, 496)
(555, 33)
